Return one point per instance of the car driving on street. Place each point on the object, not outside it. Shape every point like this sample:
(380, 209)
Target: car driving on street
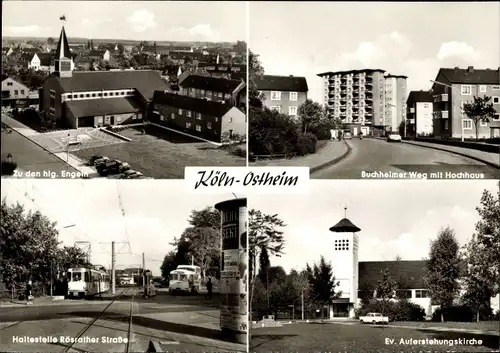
(374, 318)
(393, 137)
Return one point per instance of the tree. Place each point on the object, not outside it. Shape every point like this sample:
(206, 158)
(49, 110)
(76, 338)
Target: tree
(323, 284)
(168, 264)
(478, 278)
(207, 217)
(443, 269)
(272, 133)
(256, 70)
(480, 110)
(204, 246)
(264, 265)
(264, 231)
(310, 114)
(121, 48)
(301, 288)
(28, 245)
(70, 256)
(50, 41)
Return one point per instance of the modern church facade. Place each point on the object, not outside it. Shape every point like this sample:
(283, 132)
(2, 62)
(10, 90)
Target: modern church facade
(359, 280)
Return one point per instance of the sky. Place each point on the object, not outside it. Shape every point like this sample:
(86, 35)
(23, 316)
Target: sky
(408, 38)
(133, 20)
(395, 217)
(156, 211)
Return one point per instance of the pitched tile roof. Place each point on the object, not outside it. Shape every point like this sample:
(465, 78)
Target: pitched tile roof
(45, 59)
(239, 76)
(146, 82)
(96, 53)
(419, 96)
(189, 103)
(178, 55)
(410, 272)
(471, 75)
(207, 83)
(93, 107)
(281, 83)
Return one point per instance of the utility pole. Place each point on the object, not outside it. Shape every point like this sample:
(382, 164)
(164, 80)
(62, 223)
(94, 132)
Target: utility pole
(143, 262)
(113, 263)
(302, 298)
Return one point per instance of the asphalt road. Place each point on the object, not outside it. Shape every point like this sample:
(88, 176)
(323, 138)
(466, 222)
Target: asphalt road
(187, 323)
(376, 155)
(355, 337)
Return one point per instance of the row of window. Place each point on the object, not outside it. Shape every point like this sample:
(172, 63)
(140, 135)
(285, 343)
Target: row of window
(276, 96)
(16, 92)
(194, 92)
(291, 110)
(466, 90)
(98, 94)
(189, 125)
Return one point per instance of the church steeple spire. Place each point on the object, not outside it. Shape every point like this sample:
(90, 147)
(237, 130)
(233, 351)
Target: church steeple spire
(63, 61)
(63, 45)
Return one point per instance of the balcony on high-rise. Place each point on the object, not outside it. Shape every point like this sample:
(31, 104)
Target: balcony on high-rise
(444, 114)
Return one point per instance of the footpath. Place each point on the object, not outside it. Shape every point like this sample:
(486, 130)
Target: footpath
(330, 154)
(66, 159)
(490, 158)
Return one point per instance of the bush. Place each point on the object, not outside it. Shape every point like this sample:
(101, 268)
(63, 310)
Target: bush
(8, 167)
(239, 151)
(462, 313)
(402, 310)
(306, 144)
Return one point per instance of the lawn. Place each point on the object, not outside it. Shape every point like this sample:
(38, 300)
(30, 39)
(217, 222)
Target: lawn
(354, 337)
(161, 154)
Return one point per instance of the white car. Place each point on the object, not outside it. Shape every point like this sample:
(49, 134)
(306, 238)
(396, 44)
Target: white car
(374, 318)
(393, 137)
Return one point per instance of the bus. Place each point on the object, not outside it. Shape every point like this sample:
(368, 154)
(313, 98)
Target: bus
(186, 279)
(86, 282)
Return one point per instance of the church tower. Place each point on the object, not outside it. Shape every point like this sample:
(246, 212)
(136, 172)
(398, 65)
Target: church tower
(345, 267)
(63, 63)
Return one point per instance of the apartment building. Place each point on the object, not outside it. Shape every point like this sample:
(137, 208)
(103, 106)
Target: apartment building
(284, 94)
(365, 100)
(197, 117)
(452, 88)
(214, 89)
(419, 113)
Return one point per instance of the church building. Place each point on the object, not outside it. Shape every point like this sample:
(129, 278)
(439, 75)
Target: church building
(95, 98)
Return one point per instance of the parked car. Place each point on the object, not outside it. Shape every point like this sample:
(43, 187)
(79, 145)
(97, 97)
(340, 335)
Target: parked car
(100, 161)
(113, 167)
(393, 137)
(347, 136)
(374, 318)
(128, 173)
(137, 175)
(94, 158)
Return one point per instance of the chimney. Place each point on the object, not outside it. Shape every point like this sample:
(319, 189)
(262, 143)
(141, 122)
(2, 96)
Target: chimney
(470, 69)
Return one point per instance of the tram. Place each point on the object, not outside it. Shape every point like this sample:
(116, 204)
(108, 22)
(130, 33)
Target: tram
(85, 282)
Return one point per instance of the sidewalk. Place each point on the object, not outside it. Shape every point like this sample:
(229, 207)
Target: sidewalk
(332, 153)
(70, 159)
(38, 302)
(489, 158)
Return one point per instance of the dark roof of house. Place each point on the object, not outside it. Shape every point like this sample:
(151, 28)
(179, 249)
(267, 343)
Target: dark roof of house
(410, 273)
(419, 96)
(471, 75)
(171, 69)
(177, 55)
(281, 83)
(96, 53)
(94, 107)
(189, 103)
(344, 226)
(215, 84)
(45, 59)
(63, 50)
(146, 82)
(239, 76)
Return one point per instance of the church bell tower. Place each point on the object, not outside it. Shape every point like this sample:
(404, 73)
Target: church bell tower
(63, 61)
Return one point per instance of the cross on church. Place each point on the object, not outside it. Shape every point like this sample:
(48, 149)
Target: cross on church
(345, 212)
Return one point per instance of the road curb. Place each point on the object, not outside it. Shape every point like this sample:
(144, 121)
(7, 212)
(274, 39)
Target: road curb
(42, 147)
(333, 161)
(496, 166)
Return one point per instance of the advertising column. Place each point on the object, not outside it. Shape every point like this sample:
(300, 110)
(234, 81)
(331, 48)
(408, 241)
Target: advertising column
(234, 269)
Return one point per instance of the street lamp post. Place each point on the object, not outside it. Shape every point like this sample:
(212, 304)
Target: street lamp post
(461, 120)
(52, 262)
